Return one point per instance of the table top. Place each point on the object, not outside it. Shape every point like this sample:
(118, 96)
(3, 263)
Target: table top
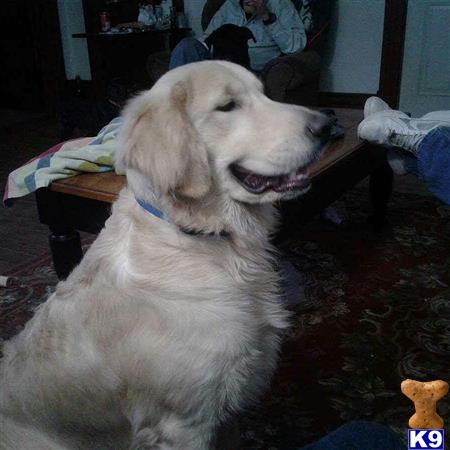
(105, 187)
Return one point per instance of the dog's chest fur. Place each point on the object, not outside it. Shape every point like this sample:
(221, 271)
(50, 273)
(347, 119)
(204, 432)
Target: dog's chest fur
(207, 320)
(219, 327)
(173, 329)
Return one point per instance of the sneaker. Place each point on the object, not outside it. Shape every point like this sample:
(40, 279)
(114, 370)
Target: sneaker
(401, 162)
(442, 116)
(375, 105)
(391, 128)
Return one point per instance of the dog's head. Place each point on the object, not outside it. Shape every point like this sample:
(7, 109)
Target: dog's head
(230, 43)
(207, 129)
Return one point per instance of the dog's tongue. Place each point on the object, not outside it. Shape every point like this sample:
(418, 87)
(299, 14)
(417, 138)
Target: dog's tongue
(257, 181)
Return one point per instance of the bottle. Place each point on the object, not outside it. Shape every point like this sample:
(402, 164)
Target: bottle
(105, 21)
(173, 18)
(166, 6)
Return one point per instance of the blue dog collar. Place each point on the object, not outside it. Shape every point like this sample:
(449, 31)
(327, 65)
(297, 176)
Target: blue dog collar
(151, 209)
(160, 215)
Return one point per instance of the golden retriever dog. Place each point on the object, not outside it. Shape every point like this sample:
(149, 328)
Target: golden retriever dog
(171, 323)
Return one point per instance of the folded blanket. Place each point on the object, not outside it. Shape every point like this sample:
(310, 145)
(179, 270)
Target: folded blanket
(90, 154)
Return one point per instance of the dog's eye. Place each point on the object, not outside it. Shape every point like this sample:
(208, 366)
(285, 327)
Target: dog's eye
(229, 106)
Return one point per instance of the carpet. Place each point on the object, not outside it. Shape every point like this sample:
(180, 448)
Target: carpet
(375, 310)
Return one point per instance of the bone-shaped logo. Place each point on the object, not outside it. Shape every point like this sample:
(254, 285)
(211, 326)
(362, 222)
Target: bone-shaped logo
(425, 395)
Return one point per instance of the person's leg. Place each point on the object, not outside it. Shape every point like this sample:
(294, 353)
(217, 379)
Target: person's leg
(359, 435)
(188, 50)
(398, 132)
(433, 162)
(391, 128)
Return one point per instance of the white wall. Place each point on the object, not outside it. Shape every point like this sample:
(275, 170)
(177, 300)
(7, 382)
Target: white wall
(353, 57)
(193, 10)
(76, 57)
(352, 60)
(351, 63)
(425, 82)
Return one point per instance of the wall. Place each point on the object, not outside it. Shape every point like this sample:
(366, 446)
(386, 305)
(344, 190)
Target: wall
(425, 82)
(352, 60)
(193, 10)
(76, 57)
(351, 63)
(353, 57)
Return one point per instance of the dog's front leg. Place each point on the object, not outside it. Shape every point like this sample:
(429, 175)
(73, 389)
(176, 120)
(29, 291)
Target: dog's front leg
(173, 434)
(146, 439)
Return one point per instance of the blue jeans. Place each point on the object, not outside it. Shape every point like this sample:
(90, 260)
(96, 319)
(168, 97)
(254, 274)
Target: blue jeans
(433, 162)
(188, 50)
(359, 435)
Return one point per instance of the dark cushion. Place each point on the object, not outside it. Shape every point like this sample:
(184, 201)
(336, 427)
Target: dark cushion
(288, 72)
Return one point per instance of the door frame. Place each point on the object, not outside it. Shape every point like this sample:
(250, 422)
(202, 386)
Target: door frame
(394, 31)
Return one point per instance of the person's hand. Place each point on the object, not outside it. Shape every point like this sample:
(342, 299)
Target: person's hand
(257, 7)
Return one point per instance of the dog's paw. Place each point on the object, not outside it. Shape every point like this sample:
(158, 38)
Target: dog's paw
(148, 439)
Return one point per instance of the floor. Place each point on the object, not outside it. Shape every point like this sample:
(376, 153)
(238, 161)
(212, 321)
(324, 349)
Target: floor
(22, 136)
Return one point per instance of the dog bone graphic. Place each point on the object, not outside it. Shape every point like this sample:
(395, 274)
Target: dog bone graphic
(425, 395)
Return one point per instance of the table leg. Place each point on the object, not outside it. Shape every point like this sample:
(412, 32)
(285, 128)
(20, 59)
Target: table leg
(381, 181)
(65, 246)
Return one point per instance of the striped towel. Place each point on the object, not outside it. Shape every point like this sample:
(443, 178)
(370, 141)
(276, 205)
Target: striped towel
(90, 154)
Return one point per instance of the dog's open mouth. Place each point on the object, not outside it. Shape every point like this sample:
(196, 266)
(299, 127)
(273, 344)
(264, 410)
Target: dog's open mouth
(257, 184)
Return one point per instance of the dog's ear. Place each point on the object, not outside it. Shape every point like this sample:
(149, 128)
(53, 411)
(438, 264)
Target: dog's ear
(159, 140)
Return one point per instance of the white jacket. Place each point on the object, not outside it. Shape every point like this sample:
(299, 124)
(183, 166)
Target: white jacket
(286, 35)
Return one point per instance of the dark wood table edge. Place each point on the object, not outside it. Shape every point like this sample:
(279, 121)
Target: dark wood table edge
(342, 175)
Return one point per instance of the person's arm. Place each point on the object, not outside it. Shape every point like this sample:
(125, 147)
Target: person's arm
(285, 26)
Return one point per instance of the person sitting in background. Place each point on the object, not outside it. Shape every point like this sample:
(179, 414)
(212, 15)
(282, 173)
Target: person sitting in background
(275, 25)
(418, 145)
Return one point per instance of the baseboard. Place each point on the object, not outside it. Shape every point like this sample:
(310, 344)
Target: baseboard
(343, 99)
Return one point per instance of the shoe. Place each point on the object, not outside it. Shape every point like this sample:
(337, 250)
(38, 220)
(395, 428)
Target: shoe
(391, 128)
(401, 162)
(375, 105)
(442, 116)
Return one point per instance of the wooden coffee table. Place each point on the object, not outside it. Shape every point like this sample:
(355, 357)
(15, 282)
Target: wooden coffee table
(83, 202)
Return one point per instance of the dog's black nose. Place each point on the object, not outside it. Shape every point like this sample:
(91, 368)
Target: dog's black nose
(320, 126)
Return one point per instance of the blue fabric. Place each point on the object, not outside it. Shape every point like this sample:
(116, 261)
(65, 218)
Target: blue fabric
(187, 51)
(359, 435)
(30, 182)
(44, 162)
(433, 159)
(151, 209)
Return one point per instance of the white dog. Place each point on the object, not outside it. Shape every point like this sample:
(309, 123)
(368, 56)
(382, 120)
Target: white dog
(171, 323)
